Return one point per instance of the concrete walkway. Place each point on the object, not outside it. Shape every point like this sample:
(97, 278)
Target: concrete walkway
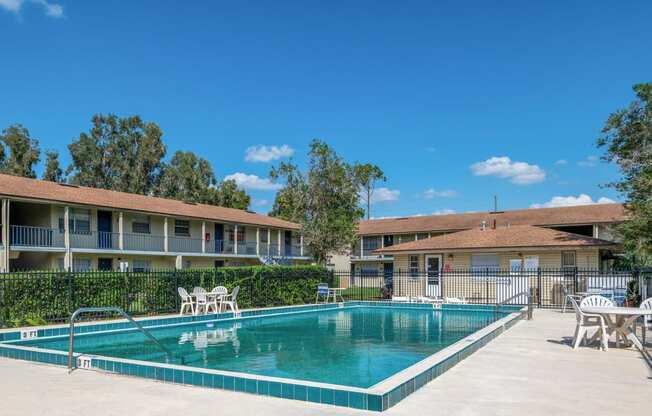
(530, 370)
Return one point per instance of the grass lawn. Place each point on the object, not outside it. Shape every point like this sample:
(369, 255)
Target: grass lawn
(366, 293)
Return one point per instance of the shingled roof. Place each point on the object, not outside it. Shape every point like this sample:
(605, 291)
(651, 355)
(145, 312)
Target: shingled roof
(19, 187)
(576, 215)
(517, 237)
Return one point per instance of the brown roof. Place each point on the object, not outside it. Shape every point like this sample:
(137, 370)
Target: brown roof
(15, 186)
(577, 215)
(518, 236)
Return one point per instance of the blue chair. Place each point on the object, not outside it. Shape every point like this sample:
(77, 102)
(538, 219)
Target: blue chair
(322, 293)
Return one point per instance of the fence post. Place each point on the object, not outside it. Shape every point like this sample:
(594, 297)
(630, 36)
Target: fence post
(71, 295)
(175, 275)
(539, 287)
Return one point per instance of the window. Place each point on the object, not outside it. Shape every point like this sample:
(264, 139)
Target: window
(141, 265)
(388, 240)
(485, 265)
(60, 263)
(369, 244)
(140, 224)
(568, 260)
(81, 265)
(263, 235)
(182, 228)
(414, 266)
(422, 236)
(241, 234)
(79, 220)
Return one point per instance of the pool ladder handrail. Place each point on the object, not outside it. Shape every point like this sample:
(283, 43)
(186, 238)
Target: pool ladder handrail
(518, 295)
(73, 317)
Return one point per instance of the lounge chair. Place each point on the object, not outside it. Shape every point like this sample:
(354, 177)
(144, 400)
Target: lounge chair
(404, 299)
(231, 300)
(432, 300)
(186, 301)
(322, 293)
(586, 321)
(455, 301)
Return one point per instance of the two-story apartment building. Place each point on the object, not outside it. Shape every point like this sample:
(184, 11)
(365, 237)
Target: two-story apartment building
(578, 236)
(47, 225)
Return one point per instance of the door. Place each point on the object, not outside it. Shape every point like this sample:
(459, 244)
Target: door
(219, 238)
(105, 264)
(433, 274)
(104, 229)
(288, 243)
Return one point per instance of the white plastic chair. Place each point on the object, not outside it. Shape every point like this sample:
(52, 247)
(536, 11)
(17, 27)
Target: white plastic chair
(586, 321)
(403, 299)
(455, 301)
(567, 296)
(215, 297)
(201, 300)
(186, 301)
(231, 300)
(597, 301)
(647, 320)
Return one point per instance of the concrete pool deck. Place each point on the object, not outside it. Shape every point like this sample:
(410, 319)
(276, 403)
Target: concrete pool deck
(530, 369)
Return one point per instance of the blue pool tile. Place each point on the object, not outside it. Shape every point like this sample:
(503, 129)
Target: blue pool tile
(357, 400)
(168, 374)
(239, 384)
(341, 398)
(300, 392)
(287, 391)
(275, 389)
(374, 402)
(228, 382)
(197, 379)
(187, 377)
(327, 396)
(251, 386)
(263, 387)
(218, 381)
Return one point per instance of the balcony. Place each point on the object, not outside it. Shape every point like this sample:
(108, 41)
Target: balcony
(95, 240)
(28, 236)
(185, 244)
(143, 242)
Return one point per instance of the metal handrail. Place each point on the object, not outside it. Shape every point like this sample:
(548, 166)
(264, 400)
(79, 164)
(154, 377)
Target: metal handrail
(529, 302)
(79, 311)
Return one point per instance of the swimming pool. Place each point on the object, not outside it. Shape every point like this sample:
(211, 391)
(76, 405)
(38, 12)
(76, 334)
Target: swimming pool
(356, 352)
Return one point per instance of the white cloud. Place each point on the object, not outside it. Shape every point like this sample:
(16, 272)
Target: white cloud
(51, 9)
(385, 195)
(431, 193)
(520, 173)
(253, 182)
(444, 212)
(569, 201)
(260, 202)
(267, 153)
(561, 162)
(589, 162)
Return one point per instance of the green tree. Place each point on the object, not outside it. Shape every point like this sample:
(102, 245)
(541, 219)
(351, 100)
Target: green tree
(121, 154)
(53, 170)
(368, 174)
(325, 200)
(627, 138)
(191, 178)
(24, 152)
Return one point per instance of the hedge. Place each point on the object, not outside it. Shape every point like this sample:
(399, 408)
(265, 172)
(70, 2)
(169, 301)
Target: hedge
(35, 298)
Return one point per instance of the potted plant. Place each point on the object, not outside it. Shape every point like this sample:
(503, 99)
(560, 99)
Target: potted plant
(633, 296)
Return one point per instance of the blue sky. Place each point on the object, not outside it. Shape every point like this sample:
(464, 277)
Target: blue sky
(455, 101)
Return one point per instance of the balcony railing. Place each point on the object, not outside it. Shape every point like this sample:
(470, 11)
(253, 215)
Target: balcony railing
(246, 247)
(143, 242)
(28, 236)
(185, 244)
(95, 240)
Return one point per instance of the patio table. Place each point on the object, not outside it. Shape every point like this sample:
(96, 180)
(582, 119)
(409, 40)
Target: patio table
(334, 292)
(620, 320)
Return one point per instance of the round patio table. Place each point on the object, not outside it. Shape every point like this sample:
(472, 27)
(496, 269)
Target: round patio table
(620, 320)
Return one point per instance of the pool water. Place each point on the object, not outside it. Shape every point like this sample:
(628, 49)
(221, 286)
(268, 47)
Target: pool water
(357, 346)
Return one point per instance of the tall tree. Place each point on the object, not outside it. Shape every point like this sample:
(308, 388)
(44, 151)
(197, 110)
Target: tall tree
(368, 174)
(24, 152)
(53, 170)
(191, 178)
(627, 139)
(324, 200)
(121, 154)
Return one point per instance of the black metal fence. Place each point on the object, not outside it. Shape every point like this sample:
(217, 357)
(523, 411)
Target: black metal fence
(547, 287)
(35, 298)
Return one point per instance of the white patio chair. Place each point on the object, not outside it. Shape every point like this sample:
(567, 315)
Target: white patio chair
(186, 301)
(567, 296)
(431, 300)
(404, 299)
(647, 320)
(215, 297)
(231, 300)
(586, 321)
(455, 301)
(201, 300)
(596, 300)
